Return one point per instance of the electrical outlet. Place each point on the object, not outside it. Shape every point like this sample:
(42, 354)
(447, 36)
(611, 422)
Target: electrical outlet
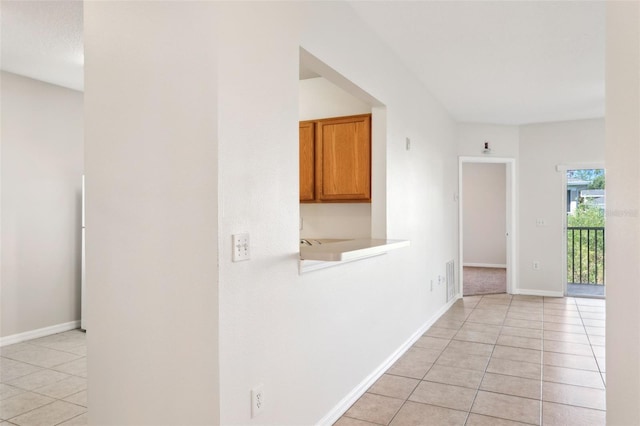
(536, 265)
(407, 142)
(240, 243)
(257, 400)
(431, 285)
(540, 222)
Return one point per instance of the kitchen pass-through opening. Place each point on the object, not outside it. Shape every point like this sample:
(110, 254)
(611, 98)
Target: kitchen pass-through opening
(342, 157)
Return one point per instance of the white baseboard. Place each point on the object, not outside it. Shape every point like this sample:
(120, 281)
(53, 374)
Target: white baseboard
(485, 265)
(346, 402)
(41, 332)
(547, 293)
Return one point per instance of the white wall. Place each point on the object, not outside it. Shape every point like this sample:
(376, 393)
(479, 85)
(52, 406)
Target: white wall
(155, 244)
(504, 141)
(319, 98)
(42, 166)
(154, 208)
(336, 220)
(623, 207)
(542, 148)
(152, 212)
(484, 214)
(538, 149)
(333, 327)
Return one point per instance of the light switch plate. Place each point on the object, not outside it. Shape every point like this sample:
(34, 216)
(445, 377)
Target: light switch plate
(240, 247)
(257, 400)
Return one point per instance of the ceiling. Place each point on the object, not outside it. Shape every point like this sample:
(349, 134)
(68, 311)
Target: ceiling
(43, 40)
(506, 62)
(487, 61)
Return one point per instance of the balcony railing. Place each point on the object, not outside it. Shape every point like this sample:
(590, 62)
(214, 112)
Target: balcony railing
(585, 255)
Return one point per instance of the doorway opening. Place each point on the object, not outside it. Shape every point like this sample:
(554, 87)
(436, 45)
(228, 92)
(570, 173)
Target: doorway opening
(584, 224)
(487, 225)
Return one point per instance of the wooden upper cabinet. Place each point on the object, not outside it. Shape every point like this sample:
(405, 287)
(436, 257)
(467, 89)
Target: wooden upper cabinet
(307, 160)
(343, 154)
(342, 163)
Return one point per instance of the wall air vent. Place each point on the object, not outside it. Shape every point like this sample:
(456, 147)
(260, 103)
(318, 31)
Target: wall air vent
(451, 281)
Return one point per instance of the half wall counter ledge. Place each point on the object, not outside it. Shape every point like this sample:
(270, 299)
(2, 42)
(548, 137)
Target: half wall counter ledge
(327, 254)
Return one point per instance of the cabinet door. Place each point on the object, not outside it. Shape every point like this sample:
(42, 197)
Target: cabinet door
(307, 161)
(343, 158)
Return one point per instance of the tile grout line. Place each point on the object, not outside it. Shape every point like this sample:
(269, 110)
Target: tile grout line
(484, 373)
(411, 393)
(41, 369)
(425, 375)
(582, 386)
(478, 307)
(28, 411)
(544, 302)
(427, 372)
(604, 383)
(54, 399)
(499, 393)
(466, 420)
(75, 417)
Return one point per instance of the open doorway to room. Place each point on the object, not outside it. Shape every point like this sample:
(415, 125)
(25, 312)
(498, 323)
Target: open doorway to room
(584, 224)
(486, 225)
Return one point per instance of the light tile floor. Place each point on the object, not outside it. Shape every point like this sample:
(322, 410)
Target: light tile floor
(497, 360)
(43, 382)
(489, 360)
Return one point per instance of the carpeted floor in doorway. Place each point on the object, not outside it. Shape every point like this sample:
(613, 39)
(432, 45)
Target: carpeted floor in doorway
(484, 280)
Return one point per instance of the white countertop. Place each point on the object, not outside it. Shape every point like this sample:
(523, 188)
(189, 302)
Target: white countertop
(350, 249)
